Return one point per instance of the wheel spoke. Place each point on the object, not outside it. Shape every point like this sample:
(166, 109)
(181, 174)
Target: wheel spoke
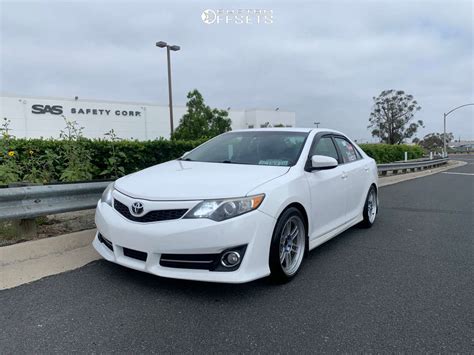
(294, 233)
(286, 230)
(287, 260)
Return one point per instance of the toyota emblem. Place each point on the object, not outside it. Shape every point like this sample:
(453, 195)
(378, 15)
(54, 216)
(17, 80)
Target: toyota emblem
(137, 208)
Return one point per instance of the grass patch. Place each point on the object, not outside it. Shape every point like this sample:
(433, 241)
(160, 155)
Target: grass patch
(8, 233)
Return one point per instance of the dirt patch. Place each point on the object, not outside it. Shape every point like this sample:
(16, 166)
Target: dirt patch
(49, 226)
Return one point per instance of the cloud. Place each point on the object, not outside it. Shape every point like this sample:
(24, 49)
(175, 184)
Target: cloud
(324, 59)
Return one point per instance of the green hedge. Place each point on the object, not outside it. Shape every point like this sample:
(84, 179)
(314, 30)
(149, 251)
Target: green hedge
(131, 156)
(386, 153)
(46, 160)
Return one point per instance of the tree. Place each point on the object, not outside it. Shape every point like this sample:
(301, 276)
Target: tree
(200, 121)
(392, 115)
(434, 141)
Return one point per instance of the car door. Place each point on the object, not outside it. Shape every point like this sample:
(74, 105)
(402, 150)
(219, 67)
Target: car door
(356, 170)
(328, 189)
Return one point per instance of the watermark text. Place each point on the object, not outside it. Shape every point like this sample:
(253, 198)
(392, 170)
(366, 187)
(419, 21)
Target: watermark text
(237, 16)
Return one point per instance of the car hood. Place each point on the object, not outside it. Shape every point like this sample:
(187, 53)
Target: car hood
(191, 180)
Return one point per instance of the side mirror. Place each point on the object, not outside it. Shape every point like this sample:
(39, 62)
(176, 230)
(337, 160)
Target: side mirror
(322, 162)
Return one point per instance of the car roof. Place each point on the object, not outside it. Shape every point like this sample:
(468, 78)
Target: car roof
(289, 129)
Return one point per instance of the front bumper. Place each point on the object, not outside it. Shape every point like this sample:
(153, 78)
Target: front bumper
(187, 236)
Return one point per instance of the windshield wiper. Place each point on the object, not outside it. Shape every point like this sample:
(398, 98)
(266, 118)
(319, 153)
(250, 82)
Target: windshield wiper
(227, 162)
(187, 159)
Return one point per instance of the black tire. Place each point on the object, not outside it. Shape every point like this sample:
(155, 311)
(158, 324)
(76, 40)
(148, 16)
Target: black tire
(368, 221)
(278, 273)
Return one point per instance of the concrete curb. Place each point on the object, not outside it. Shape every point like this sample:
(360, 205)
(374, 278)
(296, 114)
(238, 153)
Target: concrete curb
(26, 262)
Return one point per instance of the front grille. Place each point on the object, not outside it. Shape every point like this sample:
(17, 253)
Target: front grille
(105, 241)
(135, 254)
(152, 216)
(190, 261)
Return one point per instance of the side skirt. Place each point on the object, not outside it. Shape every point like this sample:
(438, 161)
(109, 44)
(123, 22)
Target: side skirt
(313, 243)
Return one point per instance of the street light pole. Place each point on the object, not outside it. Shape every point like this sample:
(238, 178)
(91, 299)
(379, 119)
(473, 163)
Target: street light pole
(169, 48)
(445, 152)
(170, 92)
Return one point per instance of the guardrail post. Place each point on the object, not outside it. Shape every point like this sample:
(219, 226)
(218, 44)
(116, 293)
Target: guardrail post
(406, 156)
(431, 155)
(25, 228)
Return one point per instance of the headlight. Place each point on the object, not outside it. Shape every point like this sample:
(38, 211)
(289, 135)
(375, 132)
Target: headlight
(219, 210)
(107, 194)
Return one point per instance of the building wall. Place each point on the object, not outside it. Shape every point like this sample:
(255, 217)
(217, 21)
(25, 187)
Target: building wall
(44, 117)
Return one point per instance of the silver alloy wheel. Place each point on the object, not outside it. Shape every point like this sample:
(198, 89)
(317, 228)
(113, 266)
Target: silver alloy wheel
(292, 243)
(372, 205)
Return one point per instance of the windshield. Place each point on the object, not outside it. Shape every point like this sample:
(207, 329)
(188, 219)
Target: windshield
(255, 148)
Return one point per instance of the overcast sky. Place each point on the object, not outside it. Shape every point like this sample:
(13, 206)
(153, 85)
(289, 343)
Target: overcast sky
(325, 60)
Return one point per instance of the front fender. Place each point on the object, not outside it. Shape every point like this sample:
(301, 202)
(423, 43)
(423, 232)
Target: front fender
(282, 192)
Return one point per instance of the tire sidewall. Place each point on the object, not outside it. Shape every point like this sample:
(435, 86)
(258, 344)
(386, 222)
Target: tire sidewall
(367, 222)
(276, 269)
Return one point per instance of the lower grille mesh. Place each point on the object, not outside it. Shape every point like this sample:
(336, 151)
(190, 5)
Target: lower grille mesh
(105, 241)
(190, 261)
(135, 254)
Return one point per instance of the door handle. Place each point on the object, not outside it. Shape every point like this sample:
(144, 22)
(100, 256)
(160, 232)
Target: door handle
(344, 176)
(366, 169)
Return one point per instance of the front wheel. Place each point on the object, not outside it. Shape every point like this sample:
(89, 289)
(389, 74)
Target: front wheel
(288, 245)
(370, 208)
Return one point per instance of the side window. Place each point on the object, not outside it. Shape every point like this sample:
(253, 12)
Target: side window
(348, 151)
(325, 147)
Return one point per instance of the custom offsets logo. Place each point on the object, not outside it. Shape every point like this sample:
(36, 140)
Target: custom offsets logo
(237, 16)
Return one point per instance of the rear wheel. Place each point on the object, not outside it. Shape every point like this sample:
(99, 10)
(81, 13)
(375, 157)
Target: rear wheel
(288, 246)
(370, 208)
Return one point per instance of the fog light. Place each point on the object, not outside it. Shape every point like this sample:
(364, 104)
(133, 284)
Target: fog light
(230, 259)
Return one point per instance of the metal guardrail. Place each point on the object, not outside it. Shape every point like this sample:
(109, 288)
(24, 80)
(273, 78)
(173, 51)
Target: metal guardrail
(405, 166)
(34, 201)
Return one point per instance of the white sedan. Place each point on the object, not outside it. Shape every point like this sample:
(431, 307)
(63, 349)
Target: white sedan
(244, 205)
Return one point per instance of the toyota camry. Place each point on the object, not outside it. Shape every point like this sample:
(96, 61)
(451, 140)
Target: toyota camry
(244, 205)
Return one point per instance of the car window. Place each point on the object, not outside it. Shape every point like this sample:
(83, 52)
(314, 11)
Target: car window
(348, 151)
(325, 147)
(275, 148)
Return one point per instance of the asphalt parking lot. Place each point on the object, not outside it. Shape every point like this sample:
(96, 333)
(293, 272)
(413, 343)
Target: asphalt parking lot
(406, 285)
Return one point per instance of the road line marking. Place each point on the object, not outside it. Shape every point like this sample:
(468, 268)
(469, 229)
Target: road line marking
(457, 173)
(426, 210)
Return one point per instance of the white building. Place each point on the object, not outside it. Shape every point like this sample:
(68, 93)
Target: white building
(34, 117)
